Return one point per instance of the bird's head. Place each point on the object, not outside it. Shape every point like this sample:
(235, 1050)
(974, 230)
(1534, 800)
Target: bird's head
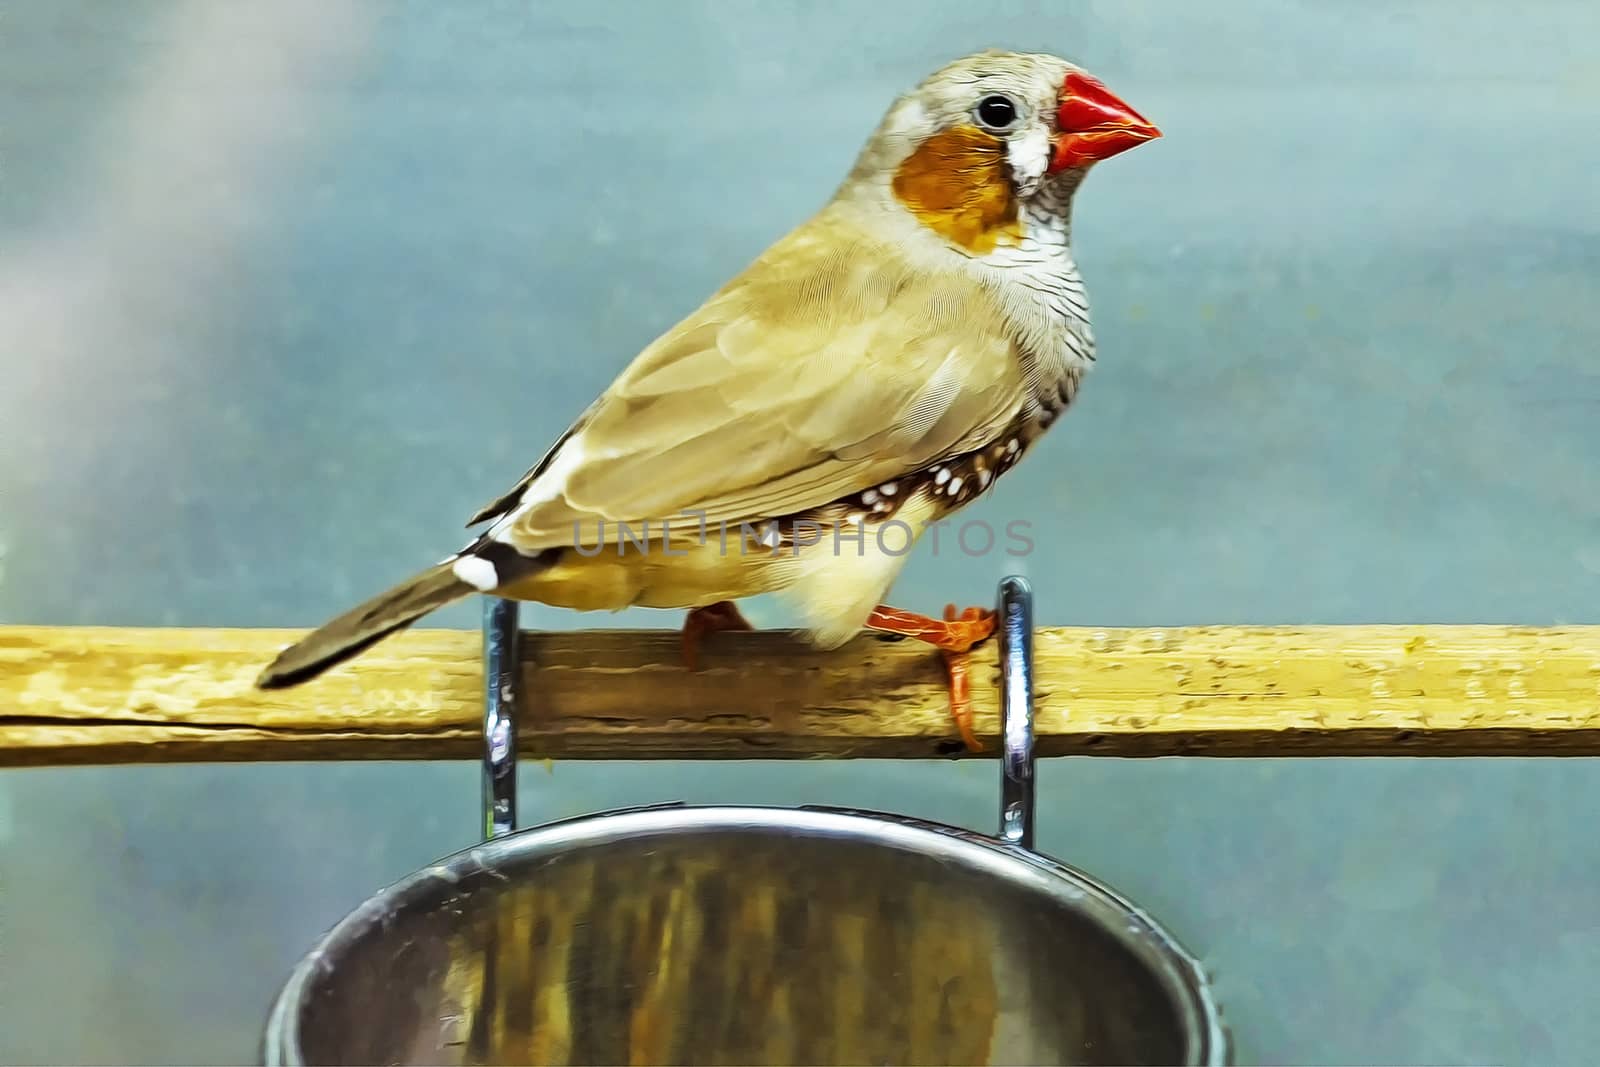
(992, 132)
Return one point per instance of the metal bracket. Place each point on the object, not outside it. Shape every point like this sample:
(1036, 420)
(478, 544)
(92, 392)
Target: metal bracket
(1015, 626)
(501, 638)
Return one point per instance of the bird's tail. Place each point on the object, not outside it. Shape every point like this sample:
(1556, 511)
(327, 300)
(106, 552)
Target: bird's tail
(362, 627)
(486, 564)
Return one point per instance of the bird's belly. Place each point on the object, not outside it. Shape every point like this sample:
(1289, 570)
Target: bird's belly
(688, 574)
(836, 575)
(836, 582)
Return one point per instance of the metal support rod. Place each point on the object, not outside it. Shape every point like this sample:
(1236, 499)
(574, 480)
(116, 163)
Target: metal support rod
(1015, 610)
(1016, 703)
(500, 638)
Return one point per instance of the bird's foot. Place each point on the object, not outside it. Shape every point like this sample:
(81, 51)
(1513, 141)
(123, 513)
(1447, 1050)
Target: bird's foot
(713, 618)
(954, 635)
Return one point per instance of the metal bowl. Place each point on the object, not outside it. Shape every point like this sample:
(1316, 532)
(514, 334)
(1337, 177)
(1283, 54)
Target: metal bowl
(745, 935)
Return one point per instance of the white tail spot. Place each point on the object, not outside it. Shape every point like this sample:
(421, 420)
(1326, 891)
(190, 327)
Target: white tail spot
(476, 572)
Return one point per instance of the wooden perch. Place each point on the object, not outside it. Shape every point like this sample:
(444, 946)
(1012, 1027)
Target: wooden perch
(90, 695)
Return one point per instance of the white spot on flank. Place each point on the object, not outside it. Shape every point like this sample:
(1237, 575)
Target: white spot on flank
(855, 517)
(941, 476)
(477, 572)
(1012, 447)
(983, 478)
(888, 488)
(869, 497)
(955, 486)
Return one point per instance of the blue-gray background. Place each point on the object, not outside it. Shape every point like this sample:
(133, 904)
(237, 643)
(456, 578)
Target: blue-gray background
(287, 290)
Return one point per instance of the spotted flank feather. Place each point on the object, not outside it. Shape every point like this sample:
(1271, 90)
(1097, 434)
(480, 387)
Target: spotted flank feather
(949, 485)
(953, 483)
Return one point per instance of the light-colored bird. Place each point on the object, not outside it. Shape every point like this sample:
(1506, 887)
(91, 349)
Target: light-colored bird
(872, 372)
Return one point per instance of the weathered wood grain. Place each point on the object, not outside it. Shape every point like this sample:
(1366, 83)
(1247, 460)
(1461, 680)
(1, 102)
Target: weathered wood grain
(80, 695)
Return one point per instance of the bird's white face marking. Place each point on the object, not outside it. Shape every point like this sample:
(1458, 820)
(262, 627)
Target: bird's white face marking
(1029, 155)
(476, 572)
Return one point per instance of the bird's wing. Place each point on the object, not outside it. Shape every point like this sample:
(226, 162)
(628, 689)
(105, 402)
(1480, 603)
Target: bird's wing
(829, 366)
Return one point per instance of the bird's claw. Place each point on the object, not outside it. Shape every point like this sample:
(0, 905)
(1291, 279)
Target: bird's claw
(713, 618)
(954, 635)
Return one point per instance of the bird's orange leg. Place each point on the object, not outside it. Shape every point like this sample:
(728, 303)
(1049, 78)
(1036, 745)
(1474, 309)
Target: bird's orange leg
(713, 618)
(954, 636)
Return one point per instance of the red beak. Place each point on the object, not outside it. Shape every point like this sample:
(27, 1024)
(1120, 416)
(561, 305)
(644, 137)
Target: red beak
(1094, 124)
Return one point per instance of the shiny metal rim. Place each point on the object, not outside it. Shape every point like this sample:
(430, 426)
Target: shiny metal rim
(1177, 969)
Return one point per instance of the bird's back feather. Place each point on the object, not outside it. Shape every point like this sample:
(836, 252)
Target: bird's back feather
(835, 362)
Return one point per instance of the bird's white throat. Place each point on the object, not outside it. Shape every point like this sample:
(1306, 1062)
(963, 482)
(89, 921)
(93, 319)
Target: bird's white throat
(1040, 273)
(1042, 261)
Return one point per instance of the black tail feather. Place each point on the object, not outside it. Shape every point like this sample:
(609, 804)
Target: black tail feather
(360, 628)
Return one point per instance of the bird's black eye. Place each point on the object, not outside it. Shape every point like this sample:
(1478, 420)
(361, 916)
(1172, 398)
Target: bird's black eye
(997, 112)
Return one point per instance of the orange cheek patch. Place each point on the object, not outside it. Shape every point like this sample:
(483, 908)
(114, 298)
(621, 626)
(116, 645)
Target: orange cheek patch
(957, 184)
